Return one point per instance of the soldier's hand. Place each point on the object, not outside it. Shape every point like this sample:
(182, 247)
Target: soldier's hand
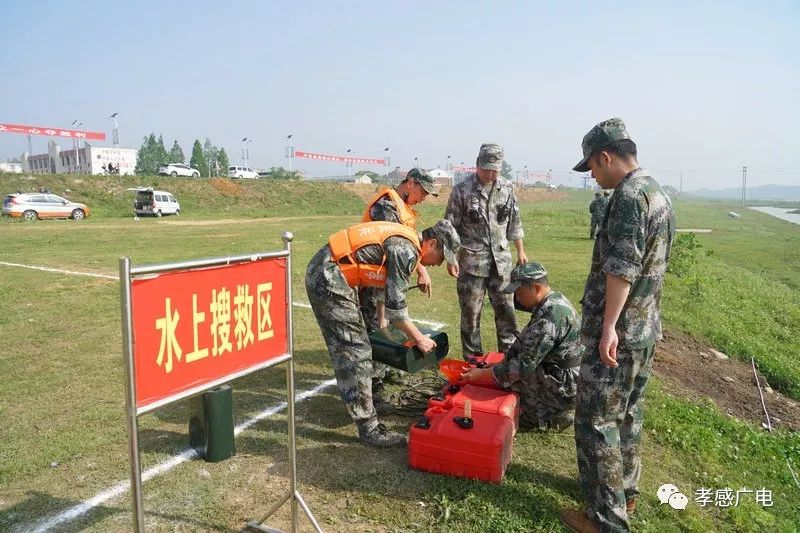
(452, 270)
(608, 348)
(479, 376)
(521, 257)
(426, 344)
(424, 281)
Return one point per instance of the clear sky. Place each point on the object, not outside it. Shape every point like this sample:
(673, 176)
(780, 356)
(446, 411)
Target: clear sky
(705, 87)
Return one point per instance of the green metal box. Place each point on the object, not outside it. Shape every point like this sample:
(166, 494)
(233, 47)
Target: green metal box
(211, 424)
(392, 347)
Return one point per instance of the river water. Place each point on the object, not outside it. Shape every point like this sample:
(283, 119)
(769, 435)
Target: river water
(781, 213)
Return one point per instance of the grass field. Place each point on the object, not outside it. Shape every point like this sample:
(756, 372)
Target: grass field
(62, 426)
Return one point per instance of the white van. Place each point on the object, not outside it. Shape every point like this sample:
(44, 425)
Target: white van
(157, 203)
(242, 173)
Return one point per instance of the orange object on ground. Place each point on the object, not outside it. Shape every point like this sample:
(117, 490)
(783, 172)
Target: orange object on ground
(483, 399)
(444, 441)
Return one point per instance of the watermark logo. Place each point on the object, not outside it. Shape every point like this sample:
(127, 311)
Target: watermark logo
(670, 494)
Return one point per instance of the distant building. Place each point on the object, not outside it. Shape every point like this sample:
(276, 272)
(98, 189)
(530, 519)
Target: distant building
(11, 166)
(445, 178)
(363, 178)
(89, 160)
(396, 176)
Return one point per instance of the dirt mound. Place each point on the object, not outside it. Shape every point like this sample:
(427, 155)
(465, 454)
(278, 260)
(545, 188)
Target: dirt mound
(227, 187)
(693, 371)
(524, 194)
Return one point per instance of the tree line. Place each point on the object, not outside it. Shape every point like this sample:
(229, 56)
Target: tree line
(153, 153)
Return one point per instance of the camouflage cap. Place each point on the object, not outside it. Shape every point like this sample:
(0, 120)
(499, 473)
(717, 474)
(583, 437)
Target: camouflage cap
(490, 157)
(522, 273)
(424, 179)
(599, 137)
(448, 237)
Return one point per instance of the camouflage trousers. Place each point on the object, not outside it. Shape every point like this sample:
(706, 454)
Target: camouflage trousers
(608, 427)
(471, 294)
(339, 318)
(545, 395)
(594, 227)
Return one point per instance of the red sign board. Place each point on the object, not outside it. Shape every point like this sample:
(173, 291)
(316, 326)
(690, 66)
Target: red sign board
(195, 327)
(339, 158)
(465, 169)
(53, 132)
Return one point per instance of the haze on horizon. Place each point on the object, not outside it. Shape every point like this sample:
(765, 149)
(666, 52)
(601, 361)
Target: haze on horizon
(704, 87)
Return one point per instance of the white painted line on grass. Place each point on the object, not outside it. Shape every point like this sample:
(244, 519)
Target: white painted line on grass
(434, 325)
(161, 468)
(48, 269)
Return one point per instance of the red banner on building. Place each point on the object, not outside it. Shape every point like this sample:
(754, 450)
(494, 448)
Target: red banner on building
(193, 327)
(465, 169)
(52, 132)
(339, 158)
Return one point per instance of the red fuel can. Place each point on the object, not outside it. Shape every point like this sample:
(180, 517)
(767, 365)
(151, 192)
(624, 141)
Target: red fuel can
(483, 399)
(443, 442)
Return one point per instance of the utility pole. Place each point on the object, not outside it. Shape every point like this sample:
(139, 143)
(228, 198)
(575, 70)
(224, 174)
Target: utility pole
(680, 191)
(744, 186)
(289, 150)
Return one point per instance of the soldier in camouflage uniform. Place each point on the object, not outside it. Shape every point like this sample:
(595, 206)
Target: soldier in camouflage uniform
(542, 364)
(414, 189)
(621, 325)
(595, 210)
(336, 308)
(483, 209)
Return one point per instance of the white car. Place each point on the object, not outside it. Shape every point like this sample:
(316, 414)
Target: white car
(178, 169)
(154, 203)
(242, 173)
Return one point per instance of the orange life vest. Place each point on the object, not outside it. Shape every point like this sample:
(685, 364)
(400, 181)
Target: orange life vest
(346, 242)
(408, 217)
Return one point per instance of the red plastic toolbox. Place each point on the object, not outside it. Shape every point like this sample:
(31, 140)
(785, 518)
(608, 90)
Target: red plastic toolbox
(437, 443)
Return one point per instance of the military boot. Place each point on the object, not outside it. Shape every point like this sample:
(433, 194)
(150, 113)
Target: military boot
(561, 422)
(381, 399)
(373, 433)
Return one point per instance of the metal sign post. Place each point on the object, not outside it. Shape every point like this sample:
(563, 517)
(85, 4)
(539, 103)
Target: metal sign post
(177, 374)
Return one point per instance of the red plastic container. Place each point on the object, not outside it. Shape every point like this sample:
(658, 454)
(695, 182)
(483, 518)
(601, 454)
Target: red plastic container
(488, 359)
(437, 443)
(483, 399)
(452, 368)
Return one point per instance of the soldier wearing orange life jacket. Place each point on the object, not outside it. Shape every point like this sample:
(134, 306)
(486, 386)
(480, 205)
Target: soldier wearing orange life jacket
(370, 254)
(393, 205)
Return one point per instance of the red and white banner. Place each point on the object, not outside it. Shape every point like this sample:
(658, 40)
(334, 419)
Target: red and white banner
(53, 132)
(194, 327)
(339, 158)
(465, 169)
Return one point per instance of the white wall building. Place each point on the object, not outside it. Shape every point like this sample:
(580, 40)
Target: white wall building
(90, 160)
(8, 166)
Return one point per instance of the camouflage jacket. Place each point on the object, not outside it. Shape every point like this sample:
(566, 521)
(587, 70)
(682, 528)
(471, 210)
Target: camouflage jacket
(384, 210)
(397, 254)
(551, 338)
(485, 222)
(634, 244)
(595, 207)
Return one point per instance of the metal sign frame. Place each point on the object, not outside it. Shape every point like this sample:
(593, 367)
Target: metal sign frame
(127, 273)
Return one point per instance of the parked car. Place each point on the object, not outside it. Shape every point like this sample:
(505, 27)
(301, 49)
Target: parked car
(178, 169)
(242, 173)
(154, 203)
(33, 206)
